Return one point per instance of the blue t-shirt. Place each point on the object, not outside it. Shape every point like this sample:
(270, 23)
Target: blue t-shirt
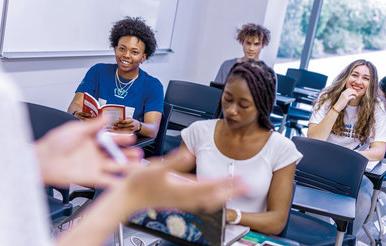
(145, 94)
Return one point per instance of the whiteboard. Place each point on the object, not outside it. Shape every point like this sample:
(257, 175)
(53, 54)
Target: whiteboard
(68, 28)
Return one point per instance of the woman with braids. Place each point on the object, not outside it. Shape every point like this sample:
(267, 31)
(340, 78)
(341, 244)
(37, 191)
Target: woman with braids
(125, 83)
(244, 144)
(253, 39)
(349, 113)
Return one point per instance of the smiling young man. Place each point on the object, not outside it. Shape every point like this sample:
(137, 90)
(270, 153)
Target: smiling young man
(124, 83)
(253, 39)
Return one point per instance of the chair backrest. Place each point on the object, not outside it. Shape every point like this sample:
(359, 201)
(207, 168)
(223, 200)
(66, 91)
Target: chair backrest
(285, 85)
(195, 98)
(217, 85)
(329, 167)
(43, 119)
(307, 79)
(159, 140)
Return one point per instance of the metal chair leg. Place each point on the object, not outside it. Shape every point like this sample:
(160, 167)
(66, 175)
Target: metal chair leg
(380, 222)
(339, 238)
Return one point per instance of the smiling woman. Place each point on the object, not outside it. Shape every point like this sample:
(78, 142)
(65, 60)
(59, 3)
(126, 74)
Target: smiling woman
(349, 113)
(124, 83)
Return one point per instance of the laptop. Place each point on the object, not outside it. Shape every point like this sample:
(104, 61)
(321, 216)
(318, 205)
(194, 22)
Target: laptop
(185, 228)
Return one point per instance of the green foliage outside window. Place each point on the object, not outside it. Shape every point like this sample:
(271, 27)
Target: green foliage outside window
(345, 27)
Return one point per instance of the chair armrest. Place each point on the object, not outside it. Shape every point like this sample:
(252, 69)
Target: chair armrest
(338, 207)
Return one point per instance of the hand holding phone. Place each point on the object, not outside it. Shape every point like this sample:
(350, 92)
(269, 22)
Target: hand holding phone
(105, 140)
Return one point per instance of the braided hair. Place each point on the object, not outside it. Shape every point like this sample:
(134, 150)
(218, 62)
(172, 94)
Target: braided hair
(261, 82)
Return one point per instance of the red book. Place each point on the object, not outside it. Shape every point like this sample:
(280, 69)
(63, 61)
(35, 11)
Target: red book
(115, 112)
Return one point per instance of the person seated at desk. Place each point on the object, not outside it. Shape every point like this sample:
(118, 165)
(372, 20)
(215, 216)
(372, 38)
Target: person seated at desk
(349, 113)
(244, 144)
(72, 154)
(253, 39)
(125, 83)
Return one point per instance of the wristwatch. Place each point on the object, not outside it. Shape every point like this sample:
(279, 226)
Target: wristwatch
(140, 127)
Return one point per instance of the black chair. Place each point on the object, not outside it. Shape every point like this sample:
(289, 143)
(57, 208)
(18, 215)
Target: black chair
(307, 88)
(191, 102)
(43, 119)
(285, 88)
(328, 180)
(157, 148)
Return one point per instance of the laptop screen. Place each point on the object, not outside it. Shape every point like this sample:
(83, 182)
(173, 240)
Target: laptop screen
(181, 227)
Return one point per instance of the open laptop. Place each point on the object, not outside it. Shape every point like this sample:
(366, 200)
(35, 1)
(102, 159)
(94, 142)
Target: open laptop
(185, 228)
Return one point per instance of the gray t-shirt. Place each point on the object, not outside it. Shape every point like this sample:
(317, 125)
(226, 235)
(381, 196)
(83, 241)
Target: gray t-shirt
(224, 70)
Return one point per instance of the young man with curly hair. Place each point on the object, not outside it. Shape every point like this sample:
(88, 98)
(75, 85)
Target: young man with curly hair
(124, 83)
(253, 39)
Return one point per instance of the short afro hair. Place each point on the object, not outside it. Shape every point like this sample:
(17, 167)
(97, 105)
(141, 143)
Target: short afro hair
(134, 26)
(253, 30)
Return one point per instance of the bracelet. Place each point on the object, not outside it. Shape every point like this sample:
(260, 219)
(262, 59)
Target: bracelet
(334, 109)
(238, 217)
(74, 113)
(140, 127)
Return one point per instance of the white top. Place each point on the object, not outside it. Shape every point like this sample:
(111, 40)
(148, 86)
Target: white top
(348, 138)
(255, 172)
(23, 209)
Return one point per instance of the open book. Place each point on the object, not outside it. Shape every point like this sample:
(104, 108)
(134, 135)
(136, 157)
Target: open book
(115, 112)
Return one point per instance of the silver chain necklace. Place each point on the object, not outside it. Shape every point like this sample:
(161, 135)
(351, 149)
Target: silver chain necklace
(121, 88)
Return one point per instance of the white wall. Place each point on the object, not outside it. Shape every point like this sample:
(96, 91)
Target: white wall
(204, 36)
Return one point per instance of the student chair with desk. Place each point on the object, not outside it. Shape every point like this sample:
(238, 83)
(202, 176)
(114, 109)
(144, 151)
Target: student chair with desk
(191, 102)
(43, 119)
(284, 98)
(307, 88)
(328, 180)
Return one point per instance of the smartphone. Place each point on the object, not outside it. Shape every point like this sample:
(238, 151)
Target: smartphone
(107, 143)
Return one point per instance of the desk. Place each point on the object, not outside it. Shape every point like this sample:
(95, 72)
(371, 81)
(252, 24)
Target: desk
(143, 141)
(339, 207)
(284, 102)
(182, 120)
(306, 92)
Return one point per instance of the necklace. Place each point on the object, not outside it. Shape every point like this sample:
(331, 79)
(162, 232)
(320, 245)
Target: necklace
(122, 88)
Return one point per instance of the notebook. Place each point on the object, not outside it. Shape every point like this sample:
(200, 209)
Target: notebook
(185, 228)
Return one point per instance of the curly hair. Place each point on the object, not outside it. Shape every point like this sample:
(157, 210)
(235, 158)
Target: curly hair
(253, 30)
(261, 82)
(366, 119)
(134, 26)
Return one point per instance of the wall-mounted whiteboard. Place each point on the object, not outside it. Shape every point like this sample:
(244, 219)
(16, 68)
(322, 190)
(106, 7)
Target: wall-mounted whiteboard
(68, 28)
